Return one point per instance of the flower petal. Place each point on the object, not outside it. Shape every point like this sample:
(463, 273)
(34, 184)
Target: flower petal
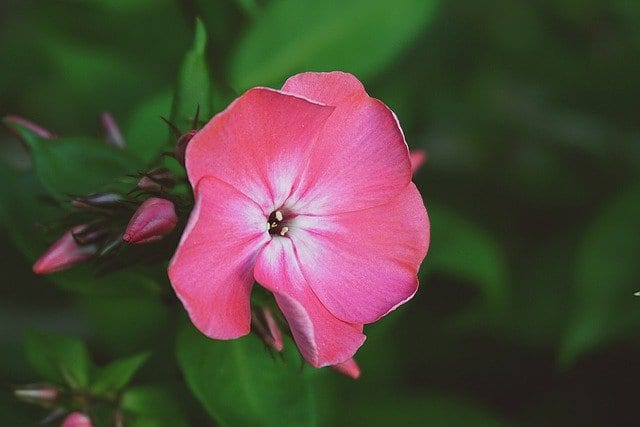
(360, 160)
(212, 268)
(363, 264)
(331, 88)
(322, 338)
(259, 144)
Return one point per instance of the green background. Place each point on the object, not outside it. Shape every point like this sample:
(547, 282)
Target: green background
(530, 115)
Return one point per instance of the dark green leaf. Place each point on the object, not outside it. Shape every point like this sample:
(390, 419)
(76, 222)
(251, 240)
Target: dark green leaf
(358, 36)
(607, 276)
(58, 358)
(463, 250)
(77, 165)
(151, 407)
(146, 133)
(117, 374)
(241, 384)
(193, 88)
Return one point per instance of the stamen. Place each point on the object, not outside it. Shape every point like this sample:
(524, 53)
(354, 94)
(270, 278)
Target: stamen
(284, 230)
(279, 216)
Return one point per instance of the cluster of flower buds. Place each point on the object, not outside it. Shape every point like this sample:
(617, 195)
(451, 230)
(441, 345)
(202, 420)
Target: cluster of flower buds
(265, 325)
(48, 396)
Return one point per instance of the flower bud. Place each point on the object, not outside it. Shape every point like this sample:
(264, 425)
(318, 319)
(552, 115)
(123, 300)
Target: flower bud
(43, 394)
(64, 253)
(112, 132)
(154, 219)
(417, 158)
(99, 201)
(349, 367)
(77, 419)
(12, 121)
(266, 327)
(156, 180)
(181, 146)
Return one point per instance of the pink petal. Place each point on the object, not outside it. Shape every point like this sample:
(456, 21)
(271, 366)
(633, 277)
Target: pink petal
(361, 159)
(259, 144)
(329, 88)
(322, 339)
(417, 158)
(212, 269)
(349, 368)
(363, 264)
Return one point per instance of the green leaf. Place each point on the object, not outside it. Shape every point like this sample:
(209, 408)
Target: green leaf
(240, 384)
(193, 88)
(607, 276)
(146, 133)
(58, 358)
(76, 165)
(358, 36)
(151, 407)
(461, 249)
(113, 377)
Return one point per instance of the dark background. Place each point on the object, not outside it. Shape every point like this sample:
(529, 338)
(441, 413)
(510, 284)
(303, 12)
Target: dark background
(529, 114)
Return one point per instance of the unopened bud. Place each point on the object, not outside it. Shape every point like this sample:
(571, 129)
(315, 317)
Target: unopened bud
(98, 201)
(267, 328)
(64, 253)
(181, 146)
(112, 132)
(349, 368)
(42, 394)
(157, 180)
(13, 121)
(77, 419)
(91, 234)
(417, 158)
(154, 219)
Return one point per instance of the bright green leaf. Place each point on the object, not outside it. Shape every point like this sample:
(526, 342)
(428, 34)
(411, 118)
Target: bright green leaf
(461, 249)
(241, 384)
(58, 358)
(117, 374)
(152, 407)
(607, 276)
(358, 36)
(193, 88)
(146, 133)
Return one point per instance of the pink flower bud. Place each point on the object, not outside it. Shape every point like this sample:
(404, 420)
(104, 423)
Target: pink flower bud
(154, 219)
(417, 158)
(266, 326)
(181, 146)
(77, 419)
(12, 121)
(349, 367)
(156, 180)
(43, 394)
(64, 253)
(98, 201)
(112, 131)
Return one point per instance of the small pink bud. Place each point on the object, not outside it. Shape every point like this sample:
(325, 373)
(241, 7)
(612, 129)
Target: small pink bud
(156, 180)
(349, 367)
(12, 121)
(98, 201)
(37, 393)
(181, 146)
(112, 131)
(64, 253)
(417, 158)
(77, 419)
(154, 219)
(266, 326)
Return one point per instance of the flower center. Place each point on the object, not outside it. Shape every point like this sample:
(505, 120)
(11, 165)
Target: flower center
(276, 224)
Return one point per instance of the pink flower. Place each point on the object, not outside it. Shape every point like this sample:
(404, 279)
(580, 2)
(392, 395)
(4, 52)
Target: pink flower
(306, 190)
(266, 327)
(112, 133)
(154, 219)
(13, 121)
(77, 419)
(417, 158)
(64, 253)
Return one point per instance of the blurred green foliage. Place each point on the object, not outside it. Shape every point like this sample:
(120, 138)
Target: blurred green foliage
(529, 114)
